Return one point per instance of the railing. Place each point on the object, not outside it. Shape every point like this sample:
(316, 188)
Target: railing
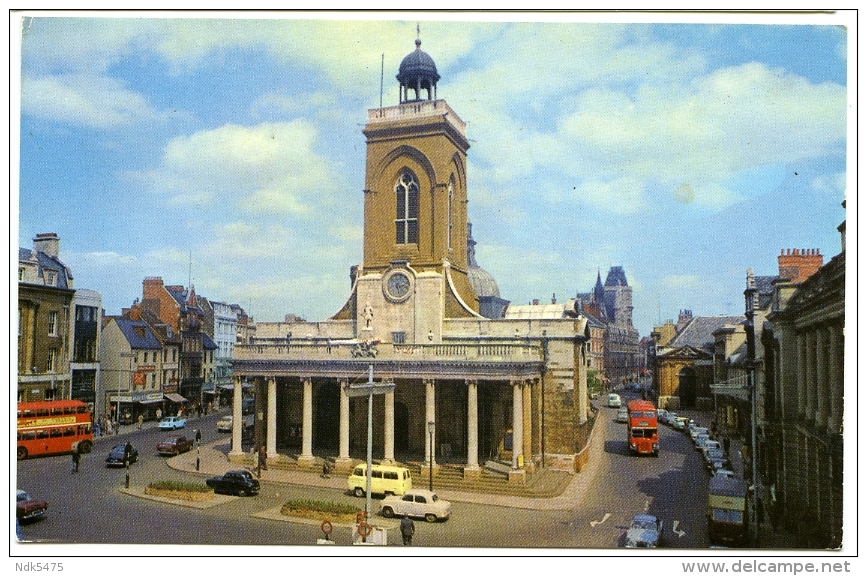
(737, 386)
(417, 109)
(349, 349)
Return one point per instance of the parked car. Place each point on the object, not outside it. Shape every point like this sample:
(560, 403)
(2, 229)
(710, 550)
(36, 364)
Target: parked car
(239, 482)
(120, 455)
(622, 415)
(644, 531)
(680, 423)
(224, 424)
(710, 444)
(716, 459)
(700, 440)
(696, 430)
(175, 445)
(614, 401)
(723, 472)
(172, 423)
(417, 503)
(670, 418)
(661, 415)
(28, 508)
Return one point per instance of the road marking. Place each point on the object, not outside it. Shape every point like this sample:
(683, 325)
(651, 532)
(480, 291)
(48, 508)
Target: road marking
(594, 523)
(680, 533)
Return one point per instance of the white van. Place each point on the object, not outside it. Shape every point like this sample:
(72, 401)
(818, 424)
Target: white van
(383, 480)
(614, 400)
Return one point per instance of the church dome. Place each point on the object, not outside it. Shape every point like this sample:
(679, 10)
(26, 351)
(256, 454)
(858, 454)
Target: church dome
(417, 72)
(481, 280)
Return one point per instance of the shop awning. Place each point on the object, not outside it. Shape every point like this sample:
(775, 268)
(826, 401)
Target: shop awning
(176, 398)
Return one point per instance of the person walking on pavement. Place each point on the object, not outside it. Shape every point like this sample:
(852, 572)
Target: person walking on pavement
(76, 458)
(407, 529)
(140, 421)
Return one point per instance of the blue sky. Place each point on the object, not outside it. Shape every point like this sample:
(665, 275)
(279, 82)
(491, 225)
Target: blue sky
(227, 148)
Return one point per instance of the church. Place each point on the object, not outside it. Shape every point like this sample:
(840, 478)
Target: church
(470, 378)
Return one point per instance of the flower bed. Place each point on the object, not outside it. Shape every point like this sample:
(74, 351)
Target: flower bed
(180, 491)
(318, 510)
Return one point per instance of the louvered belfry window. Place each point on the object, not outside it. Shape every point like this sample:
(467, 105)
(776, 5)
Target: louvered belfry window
(406, 222)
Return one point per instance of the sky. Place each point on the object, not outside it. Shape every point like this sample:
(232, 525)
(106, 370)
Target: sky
(225, 149)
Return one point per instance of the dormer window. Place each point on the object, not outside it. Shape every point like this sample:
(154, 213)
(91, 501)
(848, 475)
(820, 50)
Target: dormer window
(50, 278)
(406, 222)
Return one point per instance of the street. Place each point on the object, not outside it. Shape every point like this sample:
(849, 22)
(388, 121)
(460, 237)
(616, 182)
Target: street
(89, 507)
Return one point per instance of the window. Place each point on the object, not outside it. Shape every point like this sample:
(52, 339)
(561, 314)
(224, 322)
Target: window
(406, 222)
(21, 272)
(52, 359)
(451, 197)
(398, 337)
(52, 323)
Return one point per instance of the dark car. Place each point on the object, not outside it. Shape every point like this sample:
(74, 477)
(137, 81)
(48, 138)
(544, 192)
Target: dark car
(239, 482)
(28, 508)
(121, 454)
(175, 445)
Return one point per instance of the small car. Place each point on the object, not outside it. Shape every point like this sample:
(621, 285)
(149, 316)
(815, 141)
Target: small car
(120, 455)
(661, 415)
(614, 401)
(622, 415)
(417, 503)
(644, 531)
(174, 445)
(723, 472)
(172, 423)
(680, 423)
(239, 482)
(670, 418)
(696, 430)
(224, 424)
(28, 508)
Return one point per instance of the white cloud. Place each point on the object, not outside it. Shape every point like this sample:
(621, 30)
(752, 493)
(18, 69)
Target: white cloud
(267, 168)
(83, 100)
(681, 282)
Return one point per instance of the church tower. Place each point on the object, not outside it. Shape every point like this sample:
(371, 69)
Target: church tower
(414, 272)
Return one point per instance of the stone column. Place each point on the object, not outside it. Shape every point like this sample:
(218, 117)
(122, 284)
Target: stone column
(343, 462)
(810, 407)
(388, 433)
(237, 419)
(517, 474)
(822, 375)
(527, 405)
(305, 459)
(802, 374)
(472, 469)
(835, 379)
(430, 416)
(271, 423)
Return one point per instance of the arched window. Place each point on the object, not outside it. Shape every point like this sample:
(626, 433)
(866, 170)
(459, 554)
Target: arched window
(406, 222)
(451, 197)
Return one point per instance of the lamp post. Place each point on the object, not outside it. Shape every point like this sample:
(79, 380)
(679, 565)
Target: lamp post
(749, 327)
(431, 426)
(369, 389)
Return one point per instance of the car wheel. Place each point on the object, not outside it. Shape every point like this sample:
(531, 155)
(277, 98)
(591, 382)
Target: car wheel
(430, 518)
(359, 492)
(388, 512)
(22, 452)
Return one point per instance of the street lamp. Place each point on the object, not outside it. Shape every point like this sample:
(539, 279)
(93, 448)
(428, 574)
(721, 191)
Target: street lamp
(369, 389)
(431, 426)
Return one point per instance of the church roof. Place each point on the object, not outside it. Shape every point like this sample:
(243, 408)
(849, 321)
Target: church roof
(616, 277)
(481, 280)
(698, 333)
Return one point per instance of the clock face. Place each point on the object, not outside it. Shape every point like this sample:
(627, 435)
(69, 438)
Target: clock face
(397, 286)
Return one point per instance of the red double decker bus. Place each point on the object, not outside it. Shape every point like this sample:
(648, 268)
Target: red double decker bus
(53, 427)
(642, 429)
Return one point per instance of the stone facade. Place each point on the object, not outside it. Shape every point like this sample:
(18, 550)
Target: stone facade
(510, 388)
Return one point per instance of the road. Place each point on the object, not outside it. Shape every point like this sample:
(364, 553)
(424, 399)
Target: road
(89, 507)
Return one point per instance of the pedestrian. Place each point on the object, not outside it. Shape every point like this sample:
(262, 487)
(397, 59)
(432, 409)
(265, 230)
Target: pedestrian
(97, 430)
(127, 453)
(407, 529)
(159, 414)
(140, 421)
(76, 458)
(108, 426)
(263, 457)
(255, 454)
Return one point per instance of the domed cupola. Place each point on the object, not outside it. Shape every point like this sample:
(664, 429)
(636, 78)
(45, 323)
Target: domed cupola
(481, 280)
(417, 72)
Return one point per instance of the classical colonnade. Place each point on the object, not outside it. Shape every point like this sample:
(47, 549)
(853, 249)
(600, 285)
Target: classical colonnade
(521, 421)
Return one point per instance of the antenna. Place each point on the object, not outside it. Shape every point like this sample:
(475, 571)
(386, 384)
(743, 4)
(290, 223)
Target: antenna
(381, 78)
(190, 271)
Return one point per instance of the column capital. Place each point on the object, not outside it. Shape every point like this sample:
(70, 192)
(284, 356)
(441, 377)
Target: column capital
(471, 382)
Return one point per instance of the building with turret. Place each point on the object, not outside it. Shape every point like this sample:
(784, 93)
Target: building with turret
(476, 380)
